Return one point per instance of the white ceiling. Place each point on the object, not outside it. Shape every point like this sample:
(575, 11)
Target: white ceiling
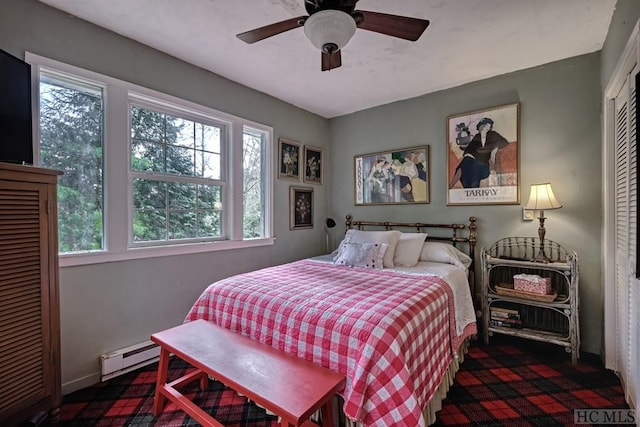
(467, 40)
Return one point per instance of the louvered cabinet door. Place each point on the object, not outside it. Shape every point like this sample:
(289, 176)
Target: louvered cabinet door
(29, 314)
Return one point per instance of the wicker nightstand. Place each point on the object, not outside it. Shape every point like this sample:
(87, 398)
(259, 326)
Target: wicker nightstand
(548, 318)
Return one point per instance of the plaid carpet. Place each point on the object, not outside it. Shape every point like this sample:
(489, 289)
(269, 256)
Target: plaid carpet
(510, 382)
(128, 401)
(513, 382)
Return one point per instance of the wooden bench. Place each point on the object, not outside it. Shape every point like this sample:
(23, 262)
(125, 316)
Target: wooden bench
(288, 386)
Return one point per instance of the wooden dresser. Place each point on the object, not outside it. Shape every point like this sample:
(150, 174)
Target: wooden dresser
(29, 301)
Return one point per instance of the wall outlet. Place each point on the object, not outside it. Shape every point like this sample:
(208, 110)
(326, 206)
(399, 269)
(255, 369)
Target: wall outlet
(527, 214)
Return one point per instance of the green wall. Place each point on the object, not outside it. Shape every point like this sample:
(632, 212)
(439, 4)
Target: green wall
(624, 19)
(560, 142)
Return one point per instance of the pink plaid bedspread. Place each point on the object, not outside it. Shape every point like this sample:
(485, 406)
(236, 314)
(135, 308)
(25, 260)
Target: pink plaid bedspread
(392, 335)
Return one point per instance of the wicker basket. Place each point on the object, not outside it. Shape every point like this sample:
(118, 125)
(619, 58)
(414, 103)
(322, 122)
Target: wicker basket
(506, 289)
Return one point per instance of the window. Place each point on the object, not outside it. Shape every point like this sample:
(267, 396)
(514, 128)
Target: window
(71, 140)
(147, 174)
(254, 155)
(178, 180)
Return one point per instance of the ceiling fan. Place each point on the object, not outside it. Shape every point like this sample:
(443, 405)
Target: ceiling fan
(331, 24)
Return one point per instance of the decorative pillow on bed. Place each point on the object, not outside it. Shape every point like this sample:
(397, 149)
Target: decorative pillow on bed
(408, 249)
(389, 237)
(367, 255)
(445, 253)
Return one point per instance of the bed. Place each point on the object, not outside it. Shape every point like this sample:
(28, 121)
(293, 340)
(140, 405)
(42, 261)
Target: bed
(391, 311)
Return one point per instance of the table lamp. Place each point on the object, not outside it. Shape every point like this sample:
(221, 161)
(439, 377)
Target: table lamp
(542, 198)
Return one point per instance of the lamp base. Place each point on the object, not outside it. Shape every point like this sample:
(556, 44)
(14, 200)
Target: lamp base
(541, 257)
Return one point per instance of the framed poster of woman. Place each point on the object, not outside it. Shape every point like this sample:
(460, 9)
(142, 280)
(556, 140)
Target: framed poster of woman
(483, 156)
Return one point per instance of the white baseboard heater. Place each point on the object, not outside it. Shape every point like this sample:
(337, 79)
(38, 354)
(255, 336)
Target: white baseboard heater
(128, 359)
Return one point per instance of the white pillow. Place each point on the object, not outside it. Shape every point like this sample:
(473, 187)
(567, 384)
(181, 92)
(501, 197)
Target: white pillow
(408, 249)
(445, 253)
(389, 237)
(367, 255)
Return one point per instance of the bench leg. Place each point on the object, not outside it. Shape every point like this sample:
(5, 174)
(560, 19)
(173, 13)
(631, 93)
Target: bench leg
(163, 368)
(327, 414)
(204, 382)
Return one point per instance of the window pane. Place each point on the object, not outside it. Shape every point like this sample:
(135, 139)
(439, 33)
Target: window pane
(149, 225)
(254, 143)
(180, 132)
(147, 125)
(179, 160)
(147, 156)
(182, 195)
(208, 223)
(208, 158)
(149, 194)
(182, 225)
(208, 138)
(208, 165)
(72, 140)
(209, 197)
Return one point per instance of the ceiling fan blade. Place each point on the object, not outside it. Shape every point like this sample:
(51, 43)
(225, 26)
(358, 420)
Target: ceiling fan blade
(331, 60)
(392, 25)
(262, 33)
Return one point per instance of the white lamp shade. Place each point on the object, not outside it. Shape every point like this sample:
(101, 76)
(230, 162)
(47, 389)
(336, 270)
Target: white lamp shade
(329, 26)
(542, 198)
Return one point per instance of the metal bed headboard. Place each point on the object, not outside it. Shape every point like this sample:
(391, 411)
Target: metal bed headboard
(455, 236)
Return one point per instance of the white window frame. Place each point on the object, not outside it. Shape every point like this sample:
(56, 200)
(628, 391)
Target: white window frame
(199, 116)
(56, 73)
(118, 209)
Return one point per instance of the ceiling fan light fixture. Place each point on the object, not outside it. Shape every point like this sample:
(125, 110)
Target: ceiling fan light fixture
(329, 29)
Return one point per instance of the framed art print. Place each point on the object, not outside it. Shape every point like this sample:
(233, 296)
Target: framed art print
(300, 208)
(313, 160)
(483, 157)
(392, 177)
(289, 156)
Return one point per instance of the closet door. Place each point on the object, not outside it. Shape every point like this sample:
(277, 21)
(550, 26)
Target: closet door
(23, 345)
(29, 313)
(627, 311)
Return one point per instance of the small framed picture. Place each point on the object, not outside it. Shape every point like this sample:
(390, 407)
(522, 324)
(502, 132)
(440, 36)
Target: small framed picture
(300, 208)
(289, 156)
(313, 165)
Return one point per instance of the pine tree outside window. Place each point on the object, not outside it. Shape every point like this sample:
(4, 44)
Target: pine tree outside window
(147, 174)
(71, 140)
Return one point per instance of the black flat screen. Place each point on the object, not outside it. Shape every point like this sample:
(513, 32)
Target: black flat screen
(16, 133)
